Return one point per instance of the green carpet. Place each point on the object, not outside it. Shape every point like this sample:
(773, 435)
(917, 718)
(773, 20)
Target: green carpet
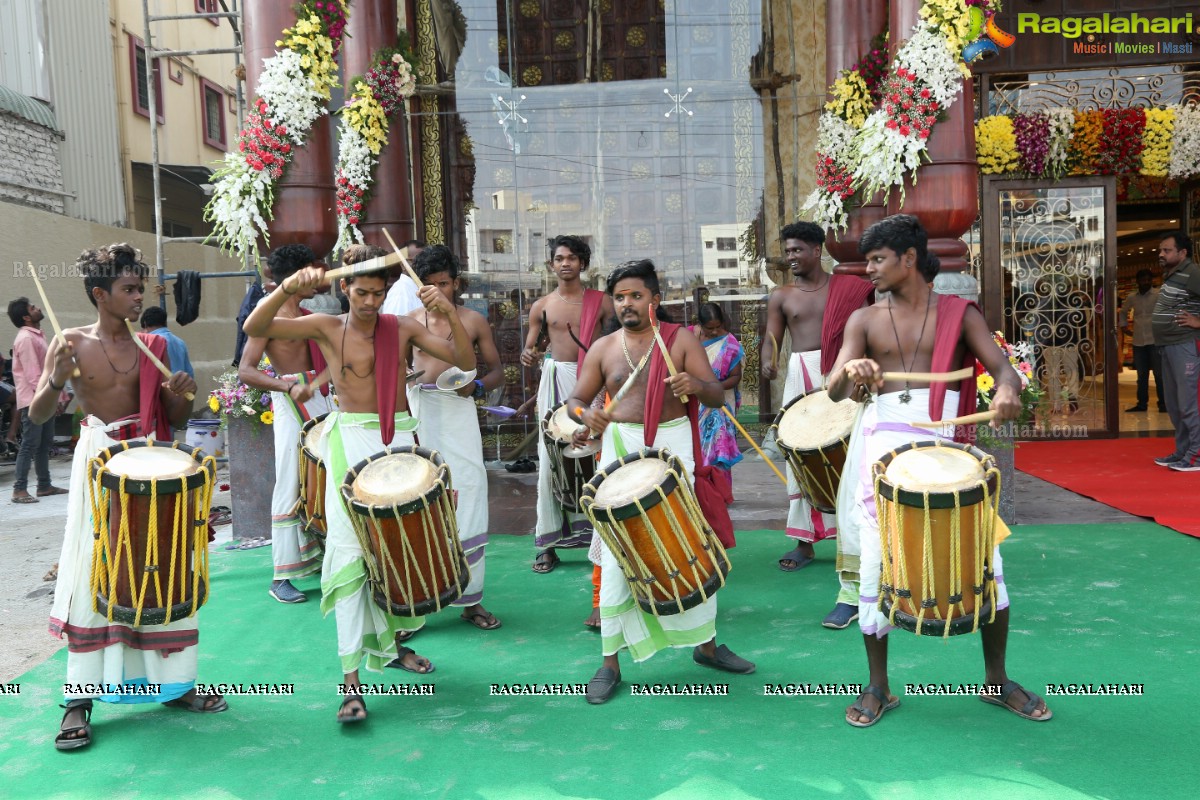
(1090, 604)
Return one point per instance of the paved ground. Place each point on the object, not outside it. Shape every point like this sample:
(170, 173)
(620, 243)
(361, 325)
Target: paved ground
(31, 537)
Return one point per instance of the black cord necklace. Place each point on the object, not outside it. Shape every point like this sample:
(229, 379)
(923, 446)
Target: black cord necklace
(906, 395)
(110, 361)
(345, 365)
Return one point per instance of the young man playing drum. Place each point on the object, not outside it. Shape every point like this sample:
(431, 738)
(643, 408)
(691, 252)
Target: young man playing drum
(450, 422)
(814, 309)
(365, 353)
(125, 397)
(299, 392)
(627, 426)
(917, 331)
(571, 316)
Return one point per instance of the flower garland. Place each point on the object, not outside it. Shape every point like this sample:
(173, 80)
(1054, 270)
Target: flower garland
(363, 132)
(880, 148)
(1031, 393)
(1156, 142)
(293, 90)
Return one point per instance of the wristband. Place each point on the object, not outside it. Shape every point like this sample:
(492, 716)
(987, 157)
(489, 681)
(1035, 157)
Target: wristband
(55, 388)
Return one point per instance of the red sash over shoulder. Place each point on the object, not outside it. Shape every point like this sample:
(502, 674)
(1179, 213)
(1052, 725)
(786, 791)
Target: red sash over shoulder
(847, 293)
(152, 414)
(387, 371)
(593, 301)
(946, 338)
(712, 492)
(317, 357)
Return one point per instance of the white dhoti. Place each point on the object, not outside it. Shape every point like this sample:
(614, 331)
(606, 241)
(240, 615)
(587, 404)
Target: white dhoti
(296, 553)
(556, 527)
(623, 624)
(450, 425)
(366, 633)
(804, 522)
(849, 537)
(101, 655)
(886, 425)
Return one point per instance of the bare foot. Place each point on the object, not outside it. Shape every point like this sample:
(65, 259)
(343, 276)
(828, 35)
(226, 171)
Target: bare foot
(593, 621)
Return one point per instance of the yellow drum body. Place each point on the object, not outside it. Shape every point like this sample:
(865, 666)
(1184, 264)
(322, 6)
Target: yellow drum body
(814, 432)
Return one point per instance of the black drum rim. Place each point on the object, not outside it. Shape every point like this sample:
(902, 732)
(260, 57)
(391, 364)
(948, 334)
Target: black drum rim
(145, 487)
(939, 500)
(151, 616)
(646, 502)
(430, 605)
(427, 499)
(665, 608)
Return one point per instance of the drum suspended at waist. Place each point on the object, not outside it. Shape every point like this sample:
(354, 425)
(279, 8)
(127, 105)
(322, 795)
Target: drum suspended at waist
(401, 508)
(646, 512)
(813, 432)
(937, 504)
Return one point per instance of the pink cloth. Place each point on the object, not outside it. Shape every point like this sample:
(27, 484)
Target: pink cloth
(29, 357)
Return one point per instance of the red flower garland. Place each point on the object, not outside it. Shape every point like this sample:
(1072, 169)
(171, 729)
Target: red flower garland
(908, 109)
(1121, 146)
(264, 145)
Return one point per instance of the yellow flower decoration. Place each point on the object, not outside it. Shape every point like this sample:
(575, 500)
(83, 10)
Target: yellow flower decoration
(996, 145)
(267, 417)
(365, 115)
(1085, 143)
(851, 99)
(951, 19)
(985, 382)
(1156, 141)
(213, 404)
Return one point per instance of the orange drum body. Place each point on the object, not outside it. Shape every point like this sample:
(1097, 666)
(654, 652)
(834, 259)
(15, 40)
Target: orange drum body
(570, 468)
(814, 432)
(312, 477)
(647, 514)
(937, 504)
(150, 503)
(400, 505)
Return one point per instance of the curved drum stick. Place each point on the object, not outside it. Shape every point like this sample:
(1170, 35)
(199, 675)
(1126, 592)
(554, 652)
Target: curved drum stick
(970, 419)
(666, 354)
(403, 261)
(763, 455)
(153, 358)
(58, 334)
(931, 377)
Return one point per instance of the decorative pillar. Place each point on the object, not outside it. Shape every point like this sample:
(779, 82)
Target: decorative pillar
(372, 25)
(304, 198)
(945, 194)
(850, 25)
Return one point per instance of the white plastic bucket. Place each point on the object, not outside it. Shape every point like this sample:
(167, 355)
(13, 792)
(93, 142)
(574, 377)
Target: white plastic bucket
(206, 434)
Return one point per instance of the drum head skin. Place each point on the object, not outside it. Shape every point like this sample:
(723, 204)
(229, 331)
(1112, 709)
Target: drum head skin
(813, 421)
(152, 463)
(630, 482)
(935, 469)
(560, 426)
(314, 435)
(394, 480)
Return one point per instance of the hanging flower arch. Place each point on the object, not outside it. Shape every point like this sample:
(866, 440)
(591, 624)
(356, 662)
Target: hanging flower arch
(377, 97)
(293, 91)
(869, 139)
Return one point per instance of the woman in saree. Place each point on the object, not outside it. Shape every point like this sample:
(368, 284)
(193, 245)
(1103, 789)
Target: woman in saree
(718, 438)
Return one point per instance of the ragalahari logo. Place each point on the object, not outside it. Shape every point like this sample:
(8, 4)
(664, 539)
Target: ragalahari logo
(985, 36)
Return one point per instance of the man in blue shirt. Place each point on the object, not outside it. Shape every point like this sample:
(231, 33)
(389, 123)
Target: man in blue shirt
(154, 320)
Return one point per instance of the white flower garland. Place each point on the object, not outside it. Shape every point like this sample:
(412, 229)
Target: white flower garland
(357, 164)
(1185, 143)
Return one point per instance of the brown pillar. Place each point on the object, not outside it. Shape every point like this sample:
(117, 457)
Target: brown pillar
(304, 198)
(372, 26)
(945, 196)
(850, 25)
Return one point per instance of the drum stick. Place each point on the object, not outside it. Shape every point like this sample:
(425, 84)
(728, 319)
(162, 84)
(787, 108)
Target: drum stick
(404, 261)
(970, 419)
(153, 358)
(753, 444)
(370, 265)
(58, 334)
(931, 377)
(665, 353)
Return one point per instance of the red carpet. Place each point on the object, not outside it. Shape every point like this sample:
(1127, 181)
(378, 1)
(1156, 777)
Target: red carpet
(1120, 473)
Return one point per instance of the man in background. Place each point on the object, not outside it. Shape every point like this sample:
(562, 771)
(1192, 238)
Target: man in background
(29, 356)
(1145, 354)
(154, 320)
(402, 293)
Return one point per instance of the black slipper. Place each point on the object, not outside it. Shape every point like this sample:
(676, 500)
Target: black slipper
(64, 742)
(350, 720)
(798, 558)
(1025, 711)
(602, 686)
(725, 660)
(872, 716)
(398, 662)
(549, 563)
(200, 704)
